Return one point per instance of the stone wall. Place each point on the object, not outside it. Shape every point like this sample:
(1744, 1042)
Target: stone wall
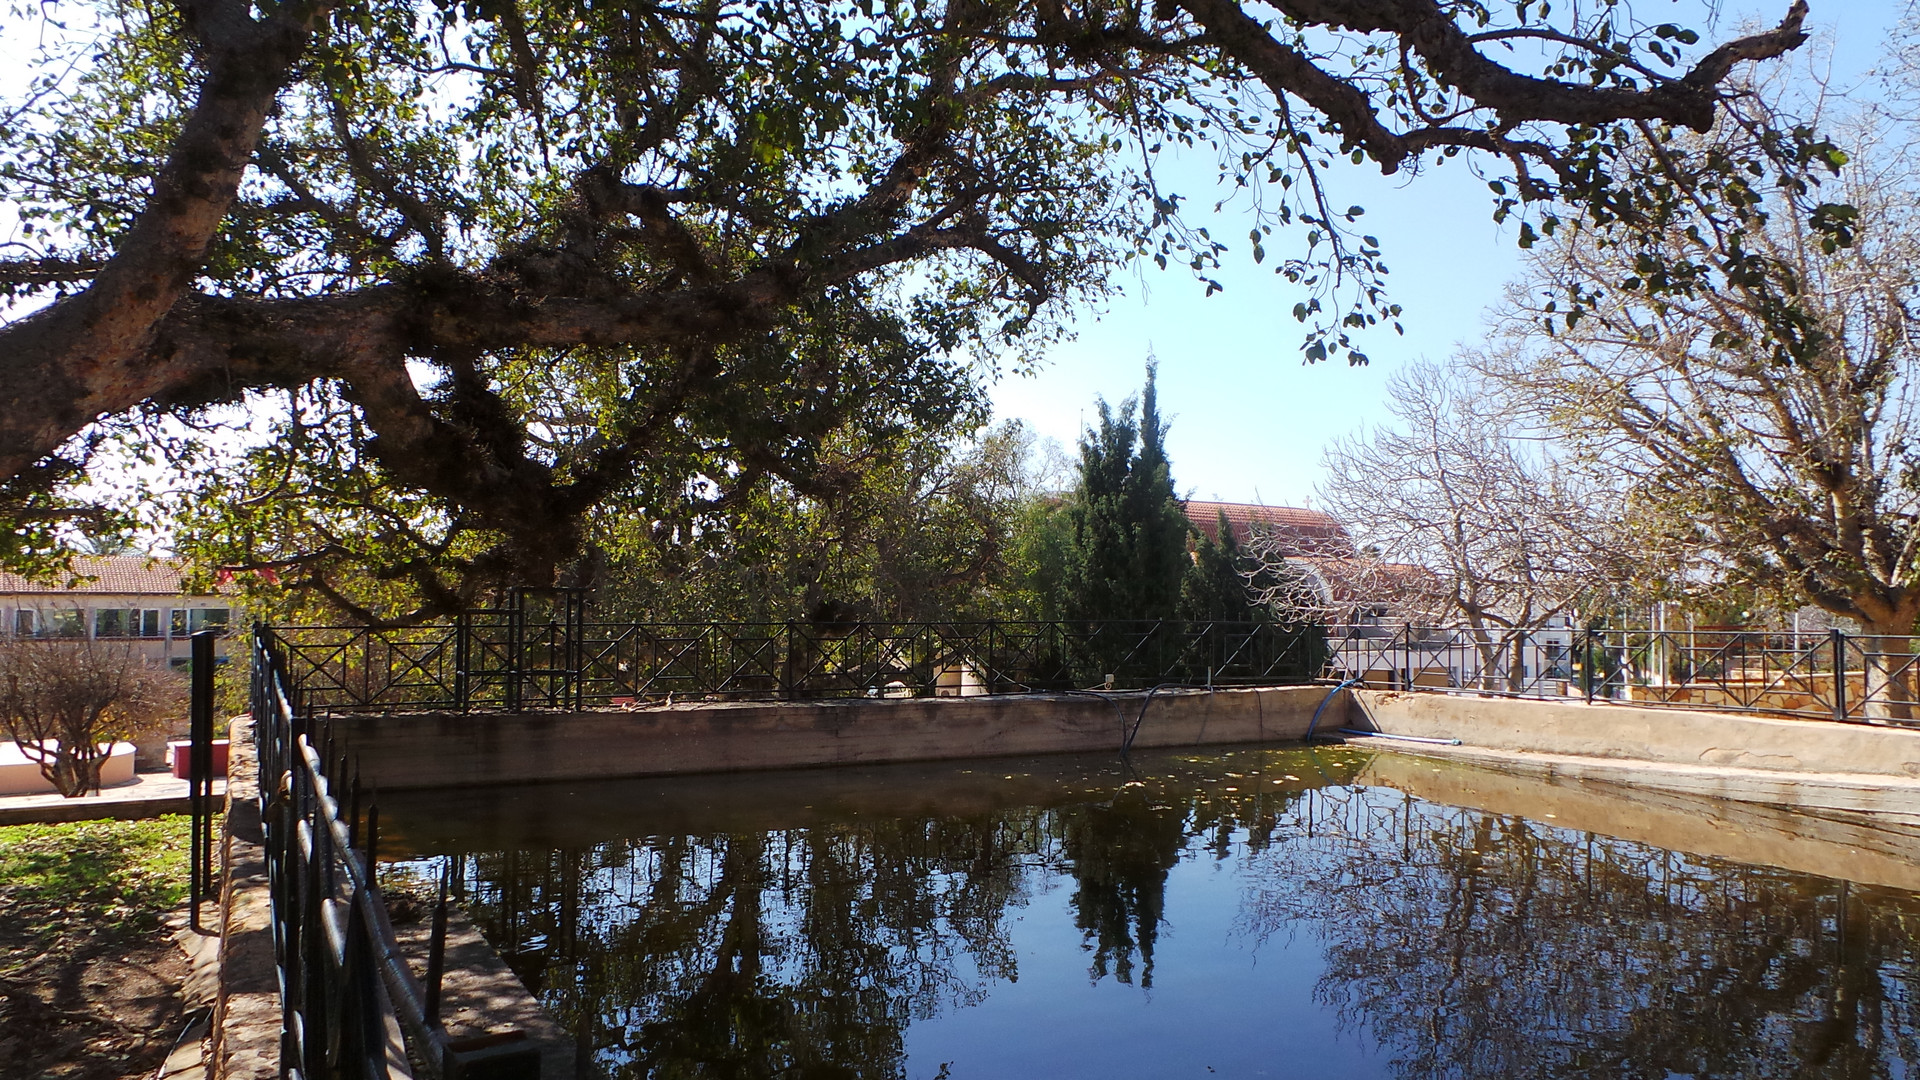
(448, 750)
(1810, 764)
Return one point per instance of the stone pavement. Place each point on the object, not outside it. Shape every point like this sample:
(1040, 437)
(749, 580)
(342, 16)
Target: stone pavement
(150, 795)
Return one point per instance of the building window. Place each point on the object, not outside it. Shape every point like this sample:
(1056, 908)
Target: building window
(128, 622)
(24, 623)
(193, 620)
(67, 622)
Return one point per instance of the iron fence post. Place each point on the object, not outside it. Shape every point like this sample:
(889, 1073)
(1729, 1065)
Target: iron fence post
(576, 648)
(516, 645)
(784, 680)
(462, 656)
(1586, 662)
(1840, 673)
(200, 774)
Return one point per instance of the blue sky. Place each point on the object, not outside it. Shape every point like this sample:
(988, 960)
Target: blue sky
(1249, 420)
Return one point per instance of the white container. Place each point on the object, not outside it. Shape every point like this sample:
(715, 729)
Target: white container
(20, 775)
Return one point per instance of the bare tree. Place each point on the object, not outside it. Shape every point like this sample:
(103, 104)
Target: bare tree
(1772, 440)
(1452, 517)
(66, 702)
(1317, 574)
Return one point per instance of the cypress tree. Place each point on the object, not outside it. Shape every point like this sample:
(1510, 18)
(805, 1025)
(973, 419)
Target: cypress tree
(1130, 533)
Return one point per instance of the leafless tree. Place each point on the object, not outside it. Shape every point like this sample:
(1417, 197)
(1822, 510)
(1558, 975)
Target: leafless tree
(1774, 441)
(66, 702)
(1317, 574)
(1454, 518)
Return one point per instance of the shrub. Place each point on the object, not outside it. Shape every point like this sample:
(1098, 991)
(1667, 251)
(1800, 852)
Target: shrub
(66, 702)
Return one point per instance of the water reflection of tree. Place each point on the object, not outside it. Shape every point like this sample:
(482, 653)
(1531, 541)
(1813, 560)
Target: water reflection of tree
(1119, 854)
(1474, 945)
(798, 953)
(1467, 944)
(806, 952)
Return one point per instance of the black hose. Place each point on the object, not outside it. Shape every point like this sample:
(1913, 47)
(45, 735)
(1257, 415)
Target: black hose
(1117, 713)
(1126, 743)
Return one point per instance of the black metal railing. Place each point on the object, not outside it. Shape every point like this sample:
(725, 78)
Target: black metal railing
(1828, 675)
(351, 1007)
(547, 653)
(503, 660)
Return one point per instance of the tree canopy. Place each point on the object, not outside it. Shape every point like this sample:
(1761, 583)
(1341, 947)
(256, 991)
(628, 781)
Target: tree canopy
(1762, 429)
(1129, 553)
(460, 276)
(1504, 536)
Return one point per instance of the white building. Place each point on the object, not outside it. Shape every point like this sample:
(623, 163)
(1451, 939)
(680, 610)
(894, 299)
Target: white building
(116, 597)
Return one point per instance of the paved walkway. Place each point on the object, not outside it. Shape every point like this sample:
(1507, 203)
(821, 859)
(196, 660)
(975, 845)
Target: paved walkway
(150, 795)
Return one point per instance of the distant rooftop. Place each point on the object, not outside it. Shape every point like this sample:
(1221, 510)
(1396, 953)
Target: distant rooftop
(105, 574)
(1244, 518)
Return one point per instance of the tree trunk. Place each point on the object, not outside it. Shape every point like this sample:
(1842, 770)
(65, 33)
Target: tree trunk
(1886, 659)
(1490, 648)
(73, 768)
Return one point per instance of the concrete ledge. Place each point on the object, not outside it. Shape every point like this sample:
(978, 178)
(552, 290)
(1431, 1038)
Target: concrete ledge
(149, 795)
(21, 775)
(1675, 736)
(482, 997)
(1854, 848)
(440, 750)
(245, 1043)
(1814, 765)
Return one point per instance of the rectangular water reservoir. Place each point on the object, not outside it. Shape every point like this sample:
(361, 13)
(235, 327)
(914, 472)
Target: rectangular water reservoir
(1246, 913)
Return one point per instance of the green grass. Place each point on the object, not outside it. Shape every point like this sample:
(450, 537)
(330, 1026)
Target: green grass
(63, 887)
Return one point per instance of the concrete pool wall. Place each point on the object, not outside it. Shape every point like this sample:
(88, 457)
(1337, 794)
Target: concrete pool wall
(1809, 764)
(452, 750)
(1721, 785)
(1848, 847)
(1806, 764)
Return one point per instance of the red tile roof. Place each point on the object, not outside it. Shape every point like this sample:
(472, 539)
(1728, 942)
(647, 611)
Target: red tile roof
(1244, 518)
(105, 574)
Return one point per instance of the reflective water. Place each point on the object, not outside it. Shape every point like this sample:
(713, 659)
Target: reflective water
(1255, 913)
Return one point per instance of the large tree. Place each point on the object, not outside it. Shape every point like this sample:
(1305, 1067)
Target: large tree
(1457, 520)
(1771, 442)
(476, 269)
(921, 533)
(1510, 538)
(1765, 424)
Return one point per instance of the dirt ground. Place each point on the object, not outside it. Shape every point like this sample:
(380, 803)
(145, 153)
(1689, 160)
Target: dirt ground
(98, 1014)
(90, 976)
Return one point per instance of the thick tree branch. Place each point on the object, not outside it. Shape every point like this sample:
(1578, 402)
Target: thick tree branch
(75, 360)
(1450, 53)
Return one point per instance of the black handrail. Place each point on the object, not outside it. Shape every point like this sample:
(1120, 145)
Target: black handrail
(1828, 675)
(351, 1007)
(514, 660)
(504, 660)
